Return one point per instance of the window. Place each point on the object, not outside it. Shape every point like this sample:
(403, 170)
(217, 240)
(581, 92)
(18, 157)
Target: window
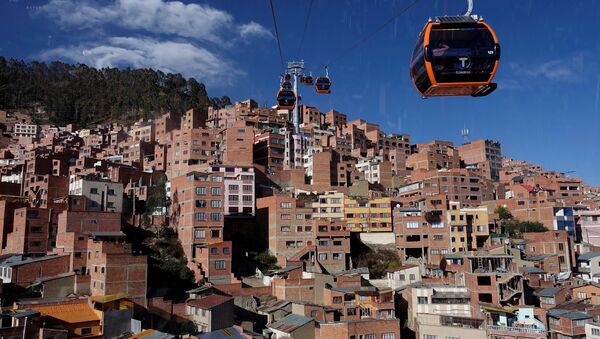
(411, 277)
(323, 243)
(438, 237)
(234, 187)
(429, 336)
(111, 192)
(299, 216)
(199, 234)
(484, 281)
(219, 264)
(215, 234)
(402, 277)
(285, 228)
(388, 335)
(247, 198)
(595, 331)
(86, 331)
(234, 197)
(337, 243)
(580, 323)
(93, 190)
(215, 203)
(313, 313)
(286, 205)
(285, 217)
(422, 300)
(448, 337)
(200, 190)
(200, 216)
(200, 203)
(322, 256)
(36, 229)
(215, 190)
(247, 188)
(412, 224)
(214, 250)
(225, 250)
(337, 300)
(370, 336)
(337, 256)
(215, 216)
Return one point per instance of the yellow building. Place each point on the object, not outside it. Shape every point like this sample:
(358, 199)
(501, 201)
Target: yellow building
(330, 206)
(364, 215)
(469, 227)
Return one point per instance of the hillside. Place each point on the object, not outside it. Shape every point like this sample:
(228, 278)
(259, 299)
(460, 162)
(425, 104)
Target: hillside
(84, 95)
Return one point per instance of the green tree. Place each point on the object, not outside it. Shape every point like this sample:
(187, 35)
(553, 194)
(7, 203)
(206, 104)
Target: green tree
(503, 213)
(516, 228)
(87, 96)
(266, 262)
(378, 261)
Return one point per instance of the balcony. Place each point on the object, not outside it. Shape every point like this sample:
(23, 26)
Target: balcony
(521, 332)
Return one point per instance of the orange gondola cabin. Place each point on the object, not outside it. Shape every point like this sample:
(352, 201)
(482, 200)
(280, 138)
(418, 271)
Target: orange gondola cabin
(286, 99)
(455, 56)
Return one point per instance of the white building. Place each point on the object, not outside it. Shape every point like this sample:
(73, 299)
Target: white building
(589, 226)
(371, 168)
(25, 130)
(592, 330)
(101, 195)
(239, 189)
(403, 276)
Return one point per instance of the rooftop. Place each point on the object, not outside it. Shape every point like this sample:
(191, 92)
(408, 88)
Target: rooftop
(17, 260)
(210, 301)
(547, 292)
(72, 313)
(587, 256)
(290, 323)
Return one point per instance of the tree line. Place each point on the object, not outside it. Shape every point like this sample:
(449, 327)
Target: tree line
(65, 93)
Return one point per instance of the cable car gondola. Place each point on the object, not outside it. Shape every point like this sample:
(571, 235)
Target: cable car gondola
(286, 99)
(286, 85)
(323, 84)
(308, 80)
(455, 56)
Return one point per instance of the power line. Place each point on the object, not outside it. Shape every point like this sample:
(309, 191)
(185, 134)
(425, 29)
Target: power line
(277, 34)
(373, 33)
(305, 26)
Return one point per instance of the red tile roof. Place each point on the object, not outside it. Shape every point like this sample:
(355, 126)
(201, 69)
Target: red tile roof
(209, 302)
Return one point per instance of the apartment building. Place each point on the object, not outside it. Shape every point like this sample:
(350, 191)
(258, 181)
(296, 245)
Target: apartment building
(368, 215)
(480, 151)
(101, 194)
(198, 204)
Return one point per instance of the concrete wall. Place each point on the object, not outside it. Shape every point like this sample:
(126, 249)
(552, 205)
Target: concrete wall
(384, 238)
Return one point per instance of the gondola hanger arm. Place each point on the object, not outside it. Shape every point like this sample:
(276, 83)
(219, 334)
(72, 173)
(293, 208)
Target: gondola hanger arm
(469, 8)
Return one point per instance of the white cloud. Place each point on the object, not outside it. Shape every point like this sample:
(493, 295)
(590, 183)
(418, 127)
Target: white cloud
(196, 21)
(569, 69)
(168, 56)
(253, 29)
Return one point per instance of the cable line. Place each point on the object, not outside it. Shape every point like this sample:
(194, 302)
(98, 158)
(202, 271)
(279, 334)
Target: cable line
(373, 33)
(305, 26)
(277, 34)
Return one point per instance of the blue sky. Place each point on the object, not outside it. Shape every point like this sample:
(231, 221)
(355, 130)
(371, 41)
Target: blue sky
(546, 108)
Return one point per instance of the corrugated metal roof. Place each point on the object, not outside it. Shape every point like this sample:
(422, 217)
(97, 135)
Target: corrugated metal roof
(70, 312)
(290, 323)
(587, 256)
